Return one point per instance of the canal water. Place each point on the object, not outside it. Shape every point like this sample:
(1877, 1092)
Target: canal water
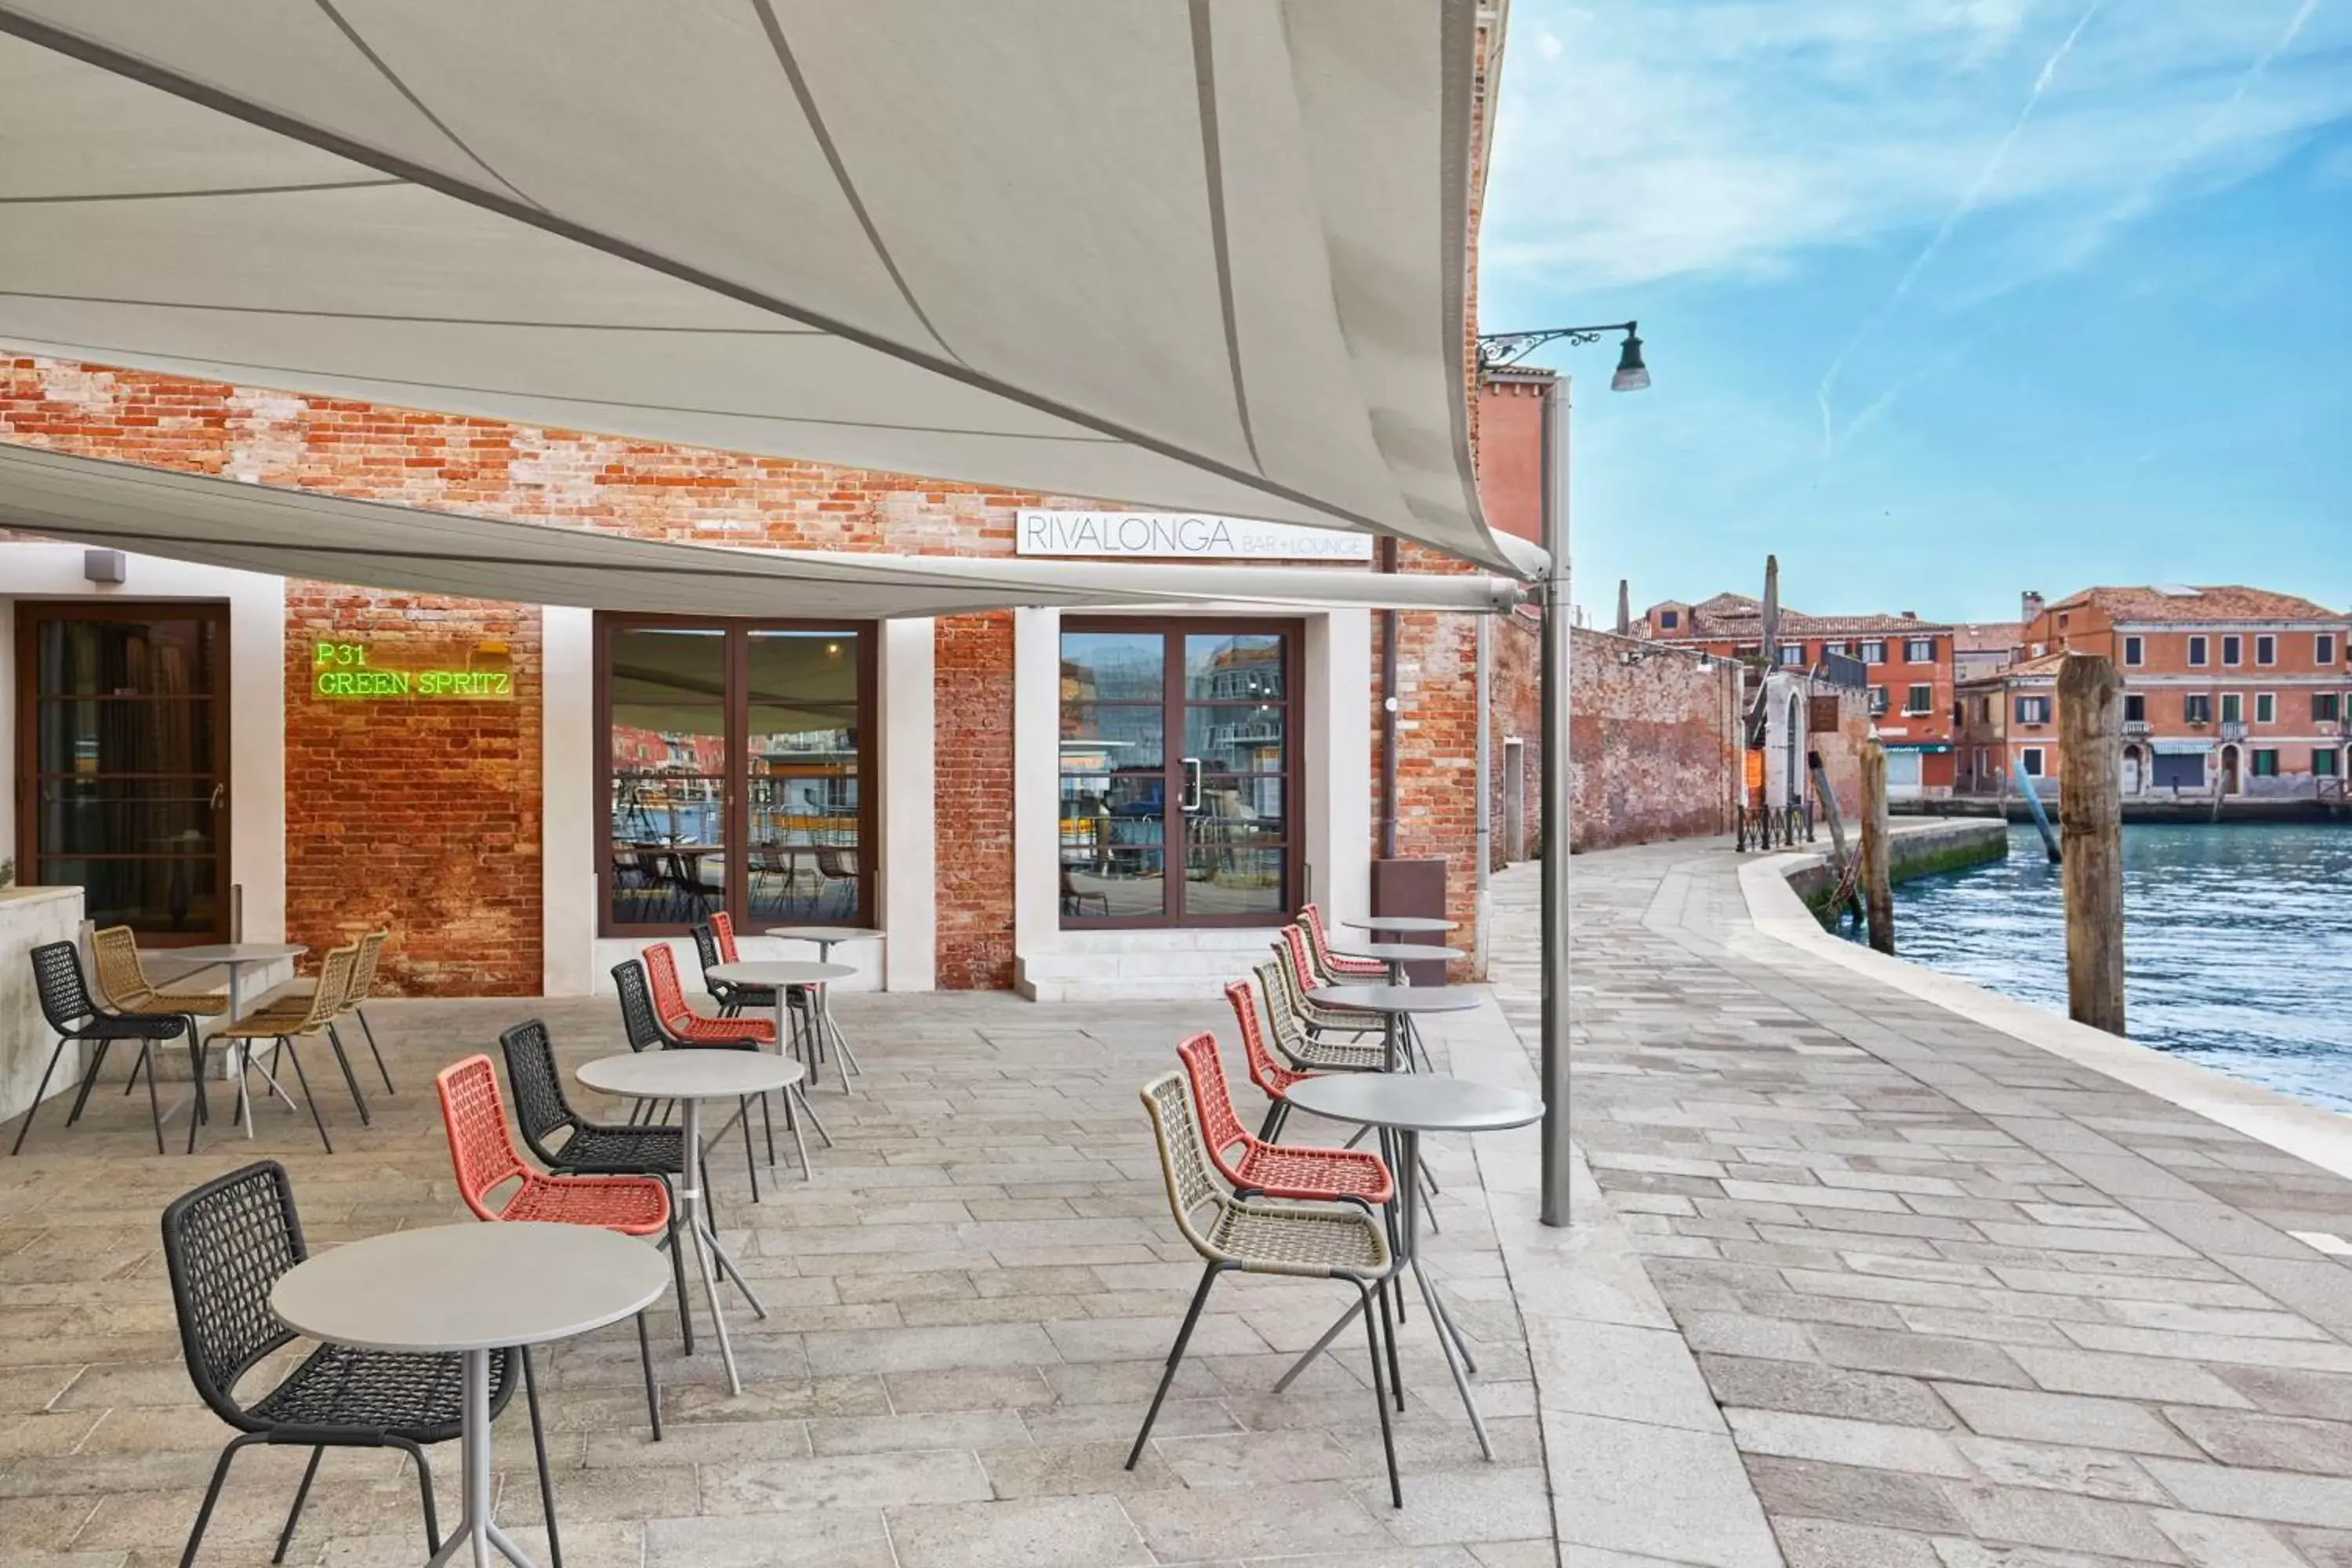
(2237, 937)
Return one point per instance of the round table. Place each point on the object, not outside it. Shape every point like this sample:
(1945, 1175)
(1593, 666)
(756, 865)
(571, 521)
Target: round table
(779, 975)
(1397, 954)
(1406, 1106)
(1402, 925)
(471, 1289)
(1397, 1004)
(827, 938)
(690, 1076)
(235, 957)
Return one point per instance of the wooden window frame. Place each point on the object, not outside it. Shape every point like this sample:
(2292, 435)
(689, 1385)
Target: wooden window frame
(1295, 797)
(736, 818)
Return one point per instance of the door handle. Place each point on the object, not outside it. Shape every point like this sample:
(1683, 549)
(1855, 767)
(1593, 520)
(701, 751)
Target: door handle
(220, 795)
(1190, 802)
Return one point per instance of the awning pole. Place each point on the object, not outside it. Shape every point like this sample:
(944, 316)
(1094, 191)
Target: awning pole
(1557, 637)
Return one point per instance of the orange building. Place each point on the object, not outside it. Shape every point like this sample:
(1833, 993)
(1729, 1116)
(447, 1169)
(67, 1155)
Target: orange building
(1907, 666)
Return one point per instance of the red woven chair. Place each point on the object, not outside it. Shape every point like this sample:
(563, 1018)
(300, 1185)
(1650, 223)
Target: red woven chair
(1318, 943)
(1254, 1166)
(684, 1024)
(1273, 1078)
(1298, 968)
(475, 1116)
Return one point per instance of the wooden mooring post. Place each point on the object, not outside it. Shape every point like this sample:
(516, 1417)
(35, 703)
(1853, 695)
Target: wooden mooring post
(1839, 862)
(1877, 880)
(2090, 819)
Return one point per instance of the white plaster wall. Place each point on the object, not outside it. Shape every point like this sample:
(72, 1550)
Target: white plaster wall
(909, 867)
(257, 732)
(1037, 782)
(29, 918)
(1339, 760)
(567, 802)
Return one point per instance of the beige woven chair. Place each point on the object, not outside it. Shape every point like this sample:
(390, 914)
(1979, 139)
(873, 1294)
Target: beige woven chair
(1302, 1241)
(290, 1019)
(123, 984)
(355, 995)
(1319, 1020)
(1304, 1052)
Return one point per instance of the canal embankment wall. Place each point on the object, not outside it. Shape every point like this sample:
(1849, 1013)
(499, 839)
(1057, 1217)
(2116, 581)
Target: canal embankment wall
(1914, 849)
(2182, 809)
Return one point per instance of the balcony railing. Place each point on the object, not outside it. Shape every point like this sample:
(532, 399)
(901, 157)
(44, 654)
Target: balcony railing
(2134, 726)
(2233, 729)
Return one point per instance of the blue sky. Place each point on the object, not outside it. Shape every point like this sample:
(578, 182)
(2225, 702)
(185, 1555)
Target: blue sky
(1943, 299)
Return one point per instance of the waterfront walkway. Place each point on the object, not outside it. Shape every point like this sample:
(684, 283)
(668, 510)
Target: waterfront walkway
(1960, 1302)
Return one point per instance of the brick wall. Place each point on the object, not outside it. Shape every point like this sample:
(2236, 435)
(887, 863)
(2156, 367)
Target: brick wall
(973, 788)
(1651, 746)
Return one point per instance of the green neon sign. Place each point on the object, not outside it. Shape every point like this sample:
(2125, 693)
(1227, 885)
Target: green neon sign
(341, 670)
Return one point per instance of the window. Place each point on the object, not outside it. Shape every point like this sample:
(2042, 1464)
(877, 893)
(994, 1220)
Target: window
(2266, 649)
(2196, 707)
(2134, 708)
(730, 770)
(2322, 649)
(2266, 763)
(1874, 653)
(2233, 708)
(2326, 706)
(2265, 708)
(2030, 759)
(2323, 762)
(2034, 710)
(1847, 648)
(1669, 619)
(1792, 655)
(2234, 650)
(1877, 699)
(1919, 699)
(2197, 648)
(2134, 651)
(1920, 650)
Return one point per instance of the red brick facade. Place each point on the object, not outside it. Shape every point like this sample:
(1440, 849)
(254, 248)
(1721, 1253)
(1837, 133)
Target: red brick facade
(974, 789)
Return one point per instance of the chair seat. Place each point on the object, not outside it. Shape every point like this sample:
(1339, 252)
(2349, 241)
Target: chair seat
(131, 1026)
(1339, 1056)
(1294, 1171)
(624, 1151)
(634, 1205)
(419, 1397)
(1315, 1242)
(266, 1024)
(204, 1004)
(1363, 968)
(698, 1030)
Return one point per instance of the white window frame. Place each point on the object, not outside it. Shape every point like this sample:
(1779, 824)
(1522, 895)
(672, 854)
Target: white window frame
(1796, 649)
(1911, 646)
(2187, 709)
(2232, 708)
(2265, 707)
(2323, 649)
(1913, 705)
(2029, 758)
(2134, 651)
(1867, 657)
(2263, 658)
(2234, 650)
(2200, 650)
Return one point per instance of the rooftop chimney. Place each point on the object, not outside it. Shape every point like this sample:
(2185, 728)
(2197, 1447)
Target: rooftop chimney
(1910, 614)
(1624, 608)
(2029, 604)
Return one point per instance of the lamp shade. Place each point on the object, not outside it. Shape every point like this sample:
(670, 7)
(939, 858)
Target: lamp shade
(1632, 376)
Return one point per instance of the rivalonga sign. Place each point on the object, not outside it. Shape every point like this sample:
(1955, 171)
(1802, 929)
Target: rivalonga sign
(341, 669)
(1182, 536)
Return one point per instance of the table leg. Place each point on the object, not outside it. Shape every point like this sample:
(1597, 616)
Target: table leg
(476, 1537)
(710, 1258)
(842, 1058)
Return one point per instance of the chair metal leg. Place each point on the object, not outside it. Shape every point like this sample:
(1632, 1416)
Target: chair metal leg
(677, 1278)
(1379, 1393)
(301, 1496)
(154, 1101)
(335, 1044)
(768, 1126)
(1175, 1358)
(1388, 1334)
(750, 1154)
(311, 1100)
(539, 1449)
(652, 1390)
(212, 1496)
(367, 1029)
(89, 1081)
(132, 1082)
(1266, 1129)
(38, 1095)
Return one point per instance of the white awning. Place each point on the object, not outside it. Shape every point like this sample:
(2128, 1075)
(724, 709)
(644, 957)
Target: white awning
(303, 533)
(1203, 256)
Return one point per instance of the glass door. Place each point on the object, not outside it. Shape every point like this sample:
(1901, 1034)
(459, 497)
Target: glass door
(122, 783)
(1200, 832)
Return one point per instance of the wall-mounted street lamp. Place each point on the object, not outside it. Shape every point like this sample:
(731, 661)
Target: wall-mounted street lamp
(1499, 348)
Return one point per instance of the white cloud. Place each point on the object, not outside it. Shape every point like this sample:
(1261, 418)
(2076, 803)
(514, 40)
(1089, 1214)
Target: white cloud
(1660, 140)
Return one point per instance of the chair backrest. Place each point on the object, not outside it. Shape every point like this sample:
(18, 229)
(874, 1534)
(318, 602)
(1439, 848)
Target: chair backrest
(224, 1244)
(114, 953)
(1183, 1163)
(637, 1017)
(362, 980)
(670, 997)
(832, 863)
(540, 1108)
(476, 1119)
(334, 986)
(1269, 1075)
(1318, 940)
(722, 928)
(1289, 1029)
(1289, 961)
(1222, 1132)
(57, 980)
(706, 948)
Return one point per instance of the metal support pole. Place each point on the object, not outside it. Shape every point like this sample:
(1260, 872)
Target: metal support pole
(1485, 833)
(1557, 637)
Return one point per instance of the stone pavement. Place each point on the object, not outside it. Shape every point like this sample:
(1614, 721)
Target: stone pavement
(1962, 1303)
(969, 1306)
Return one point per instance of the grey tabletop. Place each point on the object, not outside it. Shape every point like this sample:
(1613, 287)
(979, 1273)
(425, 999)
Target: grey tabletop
(225, 953)
(1402, 925)
(1397, 951)
(470, 1286)
(688, 1073)
(1415, 1102)
(1395, 998)
(827, 934)
(781, 971)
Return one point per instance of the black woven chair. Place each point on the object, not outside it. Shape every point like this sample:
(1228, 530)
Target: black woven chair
(732, 998)
(226, 1244)
(66, 1003)
(641, 1024)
